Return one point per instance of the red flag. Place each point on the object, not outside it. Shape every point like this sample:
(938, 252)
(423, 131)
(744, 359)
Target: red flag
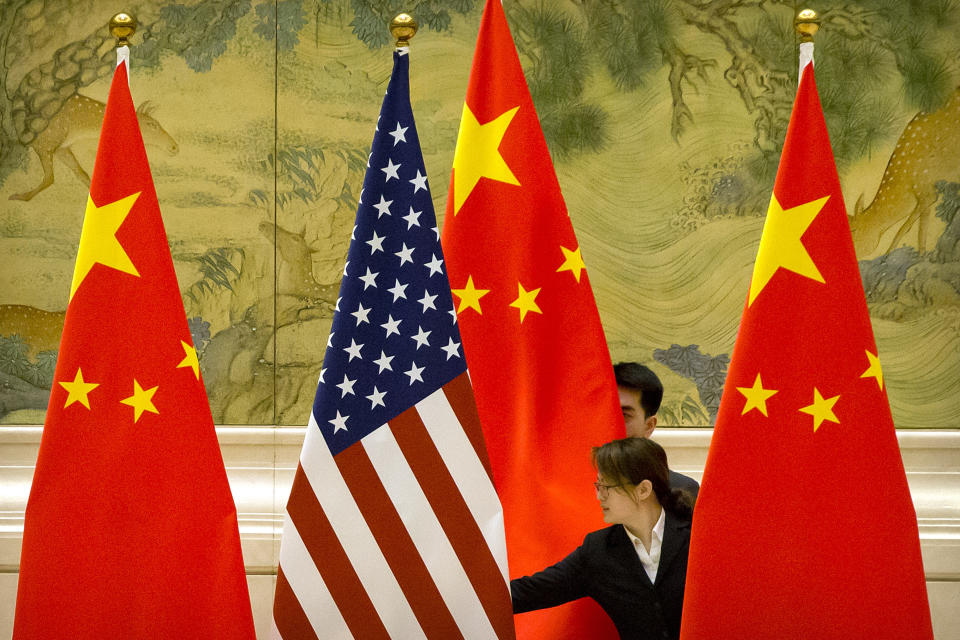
(804, 527)
(131, 530)
(536, 351)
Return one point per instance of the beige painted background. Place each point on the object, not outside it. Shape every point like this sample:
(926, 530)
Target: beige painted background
(664, 118)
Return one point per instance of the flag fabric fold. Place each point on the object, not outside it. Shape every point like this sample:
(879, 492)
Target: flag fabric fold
(804, 526)
(393, 527)
(538, 358)
(131, 529)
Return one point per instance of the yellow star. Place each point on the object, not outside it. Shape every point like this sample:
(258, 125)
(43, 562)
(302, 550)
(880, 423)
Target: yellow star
(572, 261)
(756, 396)
(190, 360)
(821, 409)
(781, 245)
(78, 390)
(141, 400)
(478, 154)
(526, 301)
(874, 370)
(470, 296)
(98, 239)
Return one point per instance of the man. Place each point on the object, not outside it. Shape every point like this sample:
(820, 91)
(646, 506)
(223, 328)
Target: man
(640, 395)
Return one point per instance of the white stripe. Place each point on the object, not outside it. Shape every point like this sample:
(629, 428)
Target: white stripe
(468, 472)
(427, 534)
(357, 540)
(307, 583)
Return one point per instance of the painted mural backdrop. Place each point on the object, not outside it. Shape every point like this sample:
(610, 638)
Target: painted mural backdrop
(664, 118)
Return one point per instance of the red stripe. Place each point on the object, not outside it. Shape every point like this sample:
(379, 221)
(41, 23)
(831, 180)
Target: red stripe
(288, 615)
(459, 394)
(332, 562)
(454, 515)
(395, 543)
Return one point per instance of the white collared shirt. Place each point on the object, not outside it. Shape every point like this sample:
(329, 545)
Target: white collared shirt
(650, 559)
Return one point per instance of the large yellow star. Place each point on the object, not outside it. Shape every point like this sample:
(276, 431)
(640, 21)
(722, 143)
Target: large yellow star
(78, 390)
(756, 396)
(478, 154)
(190, 359)
(98, 239)
(141, 400)
(821, 409)
(470, 296)
(526, 301)
(781, 245)
(572, 262)
(874, 370)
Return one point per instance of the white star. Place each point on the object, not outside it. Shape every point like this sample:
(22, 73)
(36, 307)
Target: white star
(376, 243)
(453, 314)
(353, 350)
(436, 230)
(420, 182)
(383, 207)
(414, 373)
(370, 279)
(369, 155)
(452, 349)
(434, 265)
(339, 423)
(398, 291)
(427, 301)
(330, 339)
(413, 219)
(383, 362)
(405, 254)
(345, 265)
(336, 307)
(421, 338)
(376, 398)
(346, 386)
(391, 325)
(361, 314)
(355, 226)
(360, 199)
(391, 170)
(323, 370)
(399, 134)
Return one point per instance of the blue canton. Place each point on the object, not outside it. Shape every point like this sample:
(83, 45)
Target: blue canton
(394, 338)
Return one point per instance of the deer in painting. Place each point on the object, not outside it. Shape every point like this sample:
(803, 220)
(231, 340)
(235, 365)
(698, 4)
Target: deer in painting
(79, 120)
(927, 151)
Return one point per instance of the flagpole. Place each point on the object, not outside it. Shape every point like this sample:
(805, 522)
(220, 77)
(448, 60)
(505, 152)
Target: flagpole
(807, 24)
(403, 27)
(123, 26)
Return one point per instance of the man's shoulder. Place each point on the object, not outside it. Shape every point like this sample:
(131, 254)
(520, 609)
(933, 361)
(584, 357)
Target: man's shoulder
(686, 483)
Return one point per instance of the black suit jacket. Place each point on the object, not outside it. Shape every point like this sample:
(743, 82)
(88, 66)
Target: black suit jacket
(688, 484)
(606, 568)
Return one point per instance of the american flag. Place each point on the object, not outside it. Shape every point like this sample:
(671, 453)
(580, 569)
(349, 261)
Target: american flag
(393, 527)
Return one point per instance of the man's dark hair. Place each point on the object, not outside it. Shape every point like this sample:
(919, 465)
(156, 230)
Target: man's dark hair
(635, 376)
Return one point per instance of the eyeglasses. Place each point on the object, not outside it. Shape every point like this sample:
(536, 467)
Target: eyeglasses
(604, 489)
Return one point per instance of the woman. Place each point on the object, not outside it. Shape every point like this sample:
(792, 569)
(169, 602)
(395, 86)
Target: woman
(636, 568)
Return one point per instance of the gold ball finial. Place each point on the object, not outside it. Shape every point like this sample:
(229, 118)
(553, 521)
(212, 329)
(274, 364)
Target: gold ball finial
(807, 24)
(403, 27)
(123, 26)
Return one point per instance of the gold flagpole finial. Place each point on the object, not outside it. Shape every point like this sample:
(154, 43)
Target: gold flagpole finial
(807, 23)
(123, 26)
(403, 27)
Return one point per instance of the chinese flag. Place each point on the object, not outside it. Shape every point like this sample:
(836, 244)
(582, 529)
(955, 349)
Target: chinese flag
(804, 527)
(131, 530)
(535, 349)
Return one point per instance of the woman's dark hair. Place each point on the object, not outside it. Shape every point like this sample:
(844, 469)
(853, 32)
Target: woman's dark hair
(633, 460)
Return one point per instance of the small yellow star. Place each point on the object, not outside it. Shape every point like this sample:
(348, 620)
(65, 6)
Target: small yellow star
(572, 261)
(874, 370)
(470, 296)
(526, 301)
(478, 154)
(141, 400)
(821, 409)
(781, 245)
(190, 360)
(756, 396)
(78, 390)
(98, 239)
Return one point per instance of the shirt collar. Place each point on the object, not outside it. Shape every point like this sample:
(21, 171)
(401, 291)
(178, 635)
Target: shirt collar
(657, 530)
